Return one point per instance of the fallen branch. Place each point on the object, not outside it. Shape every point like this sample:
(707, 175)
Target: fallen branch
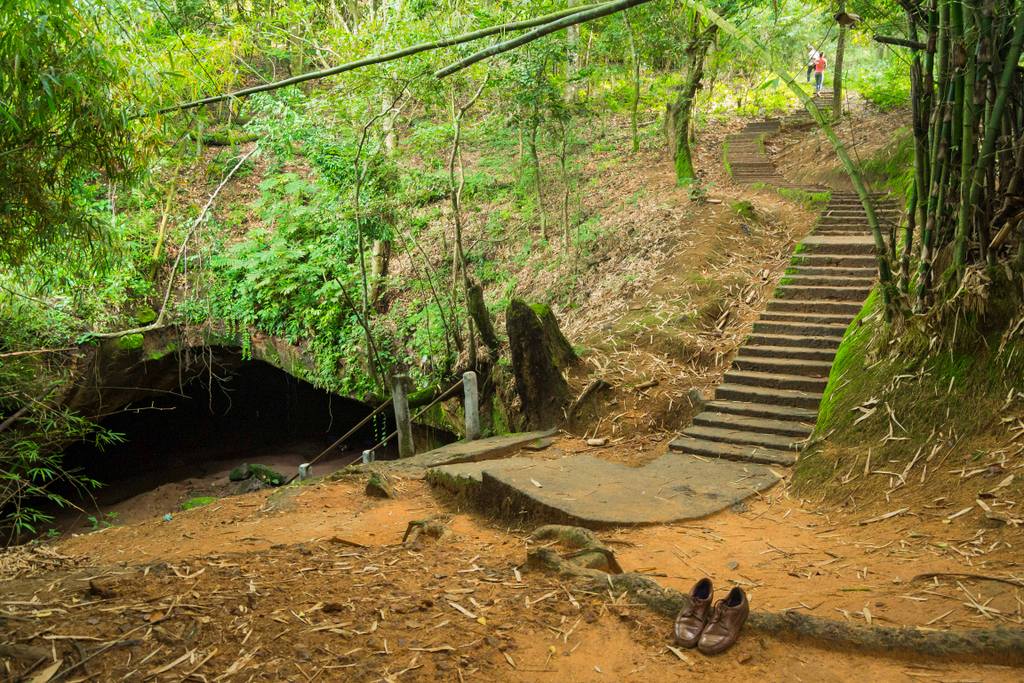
(901, 42)
(158, 323)
(980, 577)
(378, 59)
(32, 352)
(595, 385)
(582, 14)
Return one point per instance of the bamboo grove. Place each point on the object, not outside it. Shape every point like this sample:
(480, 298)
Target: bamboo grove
(966, 209)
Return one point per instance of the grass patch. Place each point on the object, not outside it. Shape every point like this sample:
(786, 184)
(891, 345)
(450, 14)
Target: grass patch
(197, 502)
(815, 201)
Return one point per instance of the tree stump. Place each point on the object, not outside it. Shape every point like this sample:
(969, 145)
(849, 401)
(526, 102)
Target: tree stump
(539, 352)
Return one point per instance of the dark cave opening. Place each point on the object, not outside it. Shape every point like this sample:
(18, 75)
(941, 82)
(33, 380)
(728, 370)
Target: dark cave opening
(183, 443)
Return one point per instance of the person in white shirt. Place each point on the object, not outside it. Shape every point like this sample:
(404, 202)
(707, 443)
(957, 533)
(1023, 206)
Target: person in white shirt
(812, 59)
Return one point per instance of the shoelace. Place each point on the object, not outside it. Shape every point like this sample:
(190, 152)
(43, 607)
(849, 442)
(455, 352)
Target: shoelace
(717, 611)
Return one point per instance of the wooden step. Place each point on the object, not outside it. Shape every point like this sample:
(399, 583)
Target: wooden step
(837, 293)
(825, 244)
(794, 340)
(830, 280)
(807, 317)
(830, 260)
(799, 329)
(863, 272)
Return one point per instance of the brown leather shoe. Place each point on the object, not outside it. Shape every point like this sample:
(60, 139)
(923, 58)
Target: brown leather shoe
(725, 623)
(691, 620)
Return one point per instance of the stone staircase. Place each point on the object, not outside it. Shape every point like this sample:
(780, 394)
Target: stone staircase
(768, 401)
(765, 407)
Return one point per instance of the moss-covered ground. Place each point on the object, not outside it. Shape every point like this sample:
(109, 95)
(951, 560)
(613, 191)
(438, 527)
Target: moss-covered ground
(902, 422)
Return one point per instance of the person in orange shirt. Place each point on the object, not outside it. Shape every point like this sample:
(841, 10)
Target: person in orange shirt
(819, 72)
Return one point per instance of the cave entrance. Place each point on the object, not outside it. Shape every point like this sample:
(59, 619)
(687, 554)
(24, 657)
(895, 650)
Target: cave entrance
(182, 445)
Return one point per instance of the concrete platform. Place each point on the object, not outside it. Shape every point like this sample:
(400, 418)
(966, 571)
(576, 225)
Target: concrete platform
(460, 452)
(596, 493)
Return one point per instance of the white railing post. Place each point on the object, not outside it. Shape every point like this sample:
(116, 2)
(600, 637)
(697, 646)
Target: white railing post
(403, 421)
(471, 405)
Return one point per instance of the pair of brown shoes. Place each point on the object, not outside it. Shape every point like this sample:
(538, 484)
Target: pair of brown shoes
(711, 629)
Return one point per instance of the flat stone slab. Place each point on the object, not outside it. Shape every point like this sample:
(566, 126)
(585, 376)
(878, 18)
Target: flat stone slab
(465, 451)
(592, 492)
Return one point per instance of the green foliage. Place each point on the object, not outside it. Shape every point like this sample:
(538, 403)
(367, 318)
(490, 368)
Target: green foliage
(887, 85)
(893, 164)
(815, 201)
(65, 131)
(104, 521)
(32, 469)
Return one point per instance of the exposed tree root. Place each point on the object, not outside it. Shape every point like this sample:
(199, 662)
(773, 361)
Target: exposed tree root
(589, 552)
(995, 646)
(434, 527)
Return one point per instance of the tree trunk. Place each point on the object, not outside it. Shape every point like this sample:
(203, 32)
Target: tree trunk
(380, 261)
(635, 102)
(681, 110)
(837, 69)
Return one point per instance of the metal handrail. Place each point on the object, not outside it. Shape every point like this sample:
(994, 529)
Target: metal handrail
(427, 407)
(366, 419)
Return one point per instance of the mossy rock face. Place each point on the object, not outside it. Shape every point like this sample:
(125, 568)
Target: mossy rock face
(197, 502)
(131, 342)
(240, 473)
(378, 486)
(145, 315)
(746, 210)
(259, 472)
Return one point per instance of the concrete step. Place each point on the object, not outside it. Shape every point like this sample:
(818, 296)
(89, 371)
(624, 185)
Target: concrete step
(847, 222)
(850, 308)
(771, 380)
(853, 230)
(712, 449)
(742, 438)
(830, 260)
(772, 396)
(794, 340)
(865, 272)
(830, 280)
(805, 329)
(794, 352)
(716, 420)
(825, 244)
(844, 232)
(854, 212)
(807, 318)
(804, 292)
(764, 410)
(784, 366)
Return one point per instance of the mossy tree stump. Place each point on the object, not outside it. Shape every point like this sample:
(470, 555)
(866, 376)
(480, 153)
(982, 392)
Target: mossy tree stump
(539, 352)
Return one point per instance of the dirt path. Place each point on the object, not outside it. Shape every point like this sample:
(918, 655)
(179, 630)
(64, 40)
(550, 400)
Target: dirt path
(280, 587)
